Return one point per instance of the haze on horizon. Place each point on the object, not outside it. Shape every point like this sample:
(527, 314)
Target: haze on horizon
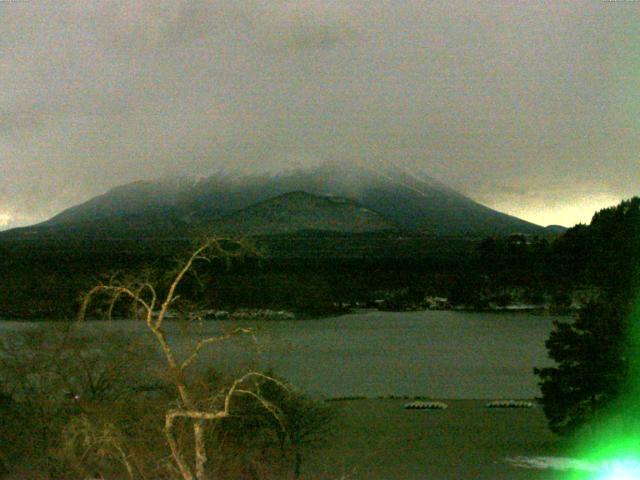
(530, 108)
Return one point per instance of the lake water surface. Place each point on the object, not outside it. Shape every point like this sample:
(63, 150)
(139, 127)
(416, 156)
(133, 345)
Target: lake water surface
(442, 354)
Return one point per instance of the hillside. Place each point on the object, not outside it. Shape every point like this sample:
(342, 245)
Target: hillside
(298, 211)
(372, 199)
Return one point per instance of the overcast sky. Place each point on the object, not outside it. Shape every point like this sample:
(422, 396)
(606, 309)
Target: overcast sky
(530, 107)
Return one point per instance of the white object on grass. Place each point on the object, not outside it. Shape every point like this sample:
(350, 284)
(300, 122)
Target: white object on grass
(422, 405)
(510, 404)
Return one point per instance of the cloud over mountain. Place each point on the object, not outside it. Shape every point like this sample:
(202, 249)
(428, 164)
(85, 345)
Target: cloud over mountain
(490, 97)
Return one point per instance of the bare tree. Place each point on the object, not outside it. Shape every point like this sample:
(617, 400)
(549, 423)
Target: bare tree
(152, 309)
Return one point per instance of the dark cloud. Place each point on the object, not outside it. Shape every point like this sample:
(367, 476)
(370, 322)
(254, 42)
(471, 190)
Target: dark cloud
(530, 107)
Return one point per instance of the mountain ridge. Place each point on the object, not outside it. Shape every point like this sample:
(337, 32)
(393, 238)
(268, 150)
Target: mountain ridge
(397, 197)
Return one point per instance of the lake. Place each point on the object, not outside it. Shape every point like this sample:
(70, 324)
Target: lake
(441, 354)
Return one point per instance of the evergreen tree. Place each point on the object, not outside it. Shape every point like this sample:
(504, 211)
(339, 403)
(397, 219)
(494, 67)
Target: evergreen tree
(591, 357)
(593, 353)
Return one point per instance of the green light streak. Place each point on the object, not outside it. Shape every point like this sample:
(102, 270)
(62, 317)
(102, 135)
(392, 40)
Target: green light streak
(612, 443)
(620, 470)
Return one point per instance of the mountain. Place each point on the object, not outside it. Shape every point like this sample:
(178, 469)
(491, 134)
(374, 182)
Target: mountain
(555, 229)
(334, 196)
(296, 211)
(137, 198)
(411, 201)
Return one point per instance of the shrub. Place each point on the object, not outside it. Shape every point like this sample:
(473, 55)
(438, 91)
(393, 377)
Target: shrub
(50, 374)
(270, 429)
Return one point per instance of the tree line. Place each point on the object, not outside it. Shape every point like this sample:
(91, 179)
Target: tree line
(597, 353)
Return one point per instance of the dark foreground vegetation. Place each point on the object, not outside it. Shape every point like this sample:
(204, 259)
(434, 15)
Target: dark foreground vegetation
(74, 405)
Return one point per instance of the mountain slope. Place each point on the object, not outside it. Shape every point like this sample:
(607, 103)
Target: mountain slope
(412, 202)
(133, 199)
(296, 211)
(398, 197)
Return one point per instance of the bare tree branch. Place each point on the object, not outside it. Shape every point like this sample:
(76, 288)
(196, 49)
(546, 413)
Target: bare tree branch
(269, 406)
(208, 341)
(112, 304)
(208, 250)
(115, 291)
(178, 278)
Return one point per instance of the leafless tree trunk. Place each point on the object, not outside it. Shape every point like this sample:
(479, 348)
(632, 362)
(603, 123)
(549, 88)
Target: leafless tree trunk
(144, 296)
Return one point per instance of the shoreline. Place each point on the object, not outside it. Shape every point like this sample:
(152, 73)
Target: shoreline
(306, 316)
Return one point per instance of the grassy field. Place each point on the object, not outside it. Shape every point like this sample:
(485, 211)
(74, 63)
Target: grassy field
(379, 439)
